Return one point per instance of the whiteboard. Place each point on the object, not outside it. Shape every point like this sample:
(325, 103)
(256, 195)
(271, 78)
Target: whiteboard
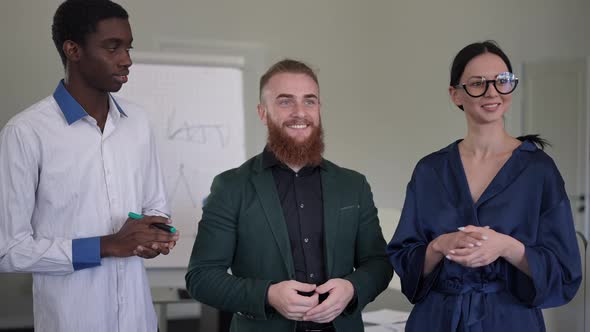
(197, 115)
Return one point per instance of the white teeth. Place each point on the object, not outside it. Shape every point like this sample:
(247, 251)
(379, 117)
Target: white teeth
(302, 126)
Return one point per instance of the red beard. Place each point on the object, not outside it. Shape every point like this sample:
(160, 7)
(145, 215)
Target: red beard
(291, 152)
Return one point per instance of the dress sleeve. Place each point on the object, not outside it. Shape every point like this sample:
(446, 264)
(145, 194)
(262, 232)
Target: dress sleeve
(407, 251)
(554, 260)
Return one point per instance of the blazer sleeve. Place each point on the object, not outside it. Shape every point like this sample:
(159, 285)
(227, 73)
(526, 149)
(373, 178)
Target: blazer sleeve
(554, 260)
(372, 272)
(407, 251)
(207, 278)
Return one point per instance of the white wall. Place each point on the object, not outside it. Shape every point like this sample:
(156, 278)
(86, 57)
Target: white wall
(383, 64)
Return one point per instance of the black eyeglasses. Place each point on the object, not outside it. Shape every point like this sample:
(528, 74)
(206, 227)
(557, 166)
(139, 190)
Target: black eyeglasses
(504, 83)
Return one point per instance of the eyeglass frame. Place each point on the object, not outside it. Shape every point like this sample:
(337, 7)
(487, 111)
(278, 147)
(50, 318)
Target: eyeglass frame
(488, 82)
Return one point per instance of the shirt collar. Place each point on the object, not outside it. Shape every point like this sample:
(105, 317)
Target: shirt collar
(71, 109)
(269, 160)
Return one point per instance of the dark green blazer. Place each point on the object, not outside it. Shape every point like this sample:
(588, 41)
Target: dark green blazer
(243, 228)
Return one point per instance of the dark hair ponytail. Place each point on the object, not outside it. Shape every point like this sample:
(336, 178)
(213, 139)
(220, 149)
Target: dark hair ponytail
(535, 139)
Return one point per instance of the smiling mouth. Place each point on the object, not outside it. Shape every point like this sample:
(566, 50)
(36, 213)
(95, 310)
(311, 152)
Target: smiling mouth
(121, 78)
(491, 107)
(298, 126)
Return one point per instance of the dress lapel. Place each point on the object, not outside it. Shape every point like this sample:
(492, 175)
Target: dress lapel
(513, 167)
(452, 177)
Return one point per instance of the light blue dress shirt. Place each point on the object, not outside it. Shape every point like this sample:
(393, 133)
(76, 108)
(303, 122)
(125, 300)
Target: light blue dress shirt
(63, 184)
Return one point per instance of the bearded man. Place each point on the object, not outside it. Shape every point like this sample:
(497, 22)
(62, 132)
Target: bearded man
(299, 233)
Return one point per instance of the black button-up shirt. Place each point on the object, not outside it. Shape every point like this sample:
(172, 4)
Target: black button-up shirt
(301, 199)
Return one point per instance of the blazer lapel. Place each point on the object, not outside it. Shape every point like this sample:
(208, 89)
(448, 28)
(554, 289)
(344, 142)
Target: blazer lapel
(267, 193)
(331, 215)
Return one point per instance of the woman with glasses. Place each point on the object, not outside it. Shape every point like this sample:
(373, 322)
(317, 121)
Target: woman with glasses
(486, 237)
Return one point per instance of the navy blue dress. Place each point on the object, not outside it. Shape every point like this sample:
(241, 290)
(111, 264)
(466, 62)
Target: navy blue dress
(526, 200)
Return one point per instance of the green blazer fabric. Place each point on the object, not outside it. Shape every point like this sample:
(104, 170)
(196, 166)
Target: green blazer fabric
(243, 229)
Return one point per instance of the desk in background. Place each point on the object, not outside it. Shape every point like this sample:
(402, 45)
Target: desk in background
(162, 296)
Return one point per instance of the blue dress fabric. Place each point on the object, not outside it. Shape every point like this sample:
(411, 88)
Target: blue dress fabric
(527, 201)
